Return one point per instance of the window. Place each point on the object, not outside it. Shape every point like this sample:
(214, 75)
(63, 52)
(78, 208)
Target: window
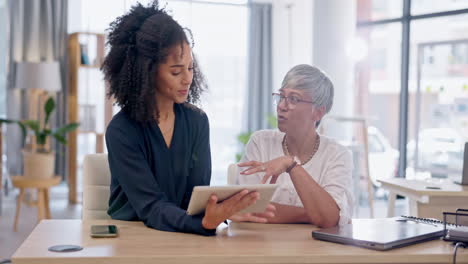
(375, 145)
(434, 53)
(419, 7)
(437, 120)
(378, 9)
(378, 92)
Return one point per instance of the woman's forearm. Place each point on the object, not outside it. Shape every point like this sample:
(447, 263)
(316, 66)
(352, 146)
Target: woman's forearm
(287, 214)
(319, 206)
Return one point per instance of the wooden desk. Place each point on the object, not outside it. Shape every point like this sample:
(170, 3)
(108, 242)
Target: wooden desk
(239, 243)
(424, 202)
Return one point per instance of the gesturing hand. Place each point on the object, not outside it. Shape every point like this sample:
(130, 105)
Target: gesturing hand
(272, 168)
(255, 217)
(216, 213)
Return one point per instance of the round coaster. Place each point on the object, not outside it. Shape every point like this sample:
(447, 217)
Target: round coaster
(65, 248)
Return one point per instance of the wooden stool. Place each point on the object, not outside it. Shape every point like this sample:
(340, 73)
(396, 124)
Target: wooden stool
(42, 186)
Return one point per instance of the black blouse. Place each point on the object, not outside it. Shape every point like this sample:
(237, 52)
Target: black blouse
(151, 182)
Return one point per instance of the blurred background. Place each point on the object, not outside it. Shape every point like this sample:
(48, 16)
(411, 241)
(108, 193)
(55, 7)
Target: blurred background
(400, 70)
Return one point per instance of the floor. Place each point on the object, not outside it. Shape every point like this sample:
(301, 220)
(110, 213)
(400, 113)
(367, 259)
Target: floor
(60, 209)
(10, 240)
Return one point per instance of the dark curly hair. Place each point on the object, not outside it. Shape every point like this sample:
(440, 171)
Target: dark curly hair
(139, 42)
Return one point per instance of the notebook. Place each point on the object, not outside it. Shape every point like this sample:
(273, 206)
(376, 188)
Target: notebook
(464, 178)
(458, 231)
(383, 233)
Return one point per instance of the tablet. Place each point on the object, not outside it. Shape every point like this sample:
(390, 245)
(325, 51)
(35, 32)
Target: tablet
(201, 194)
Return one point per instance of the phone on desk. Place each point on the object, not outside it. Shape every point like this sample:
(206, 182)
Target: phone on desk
(104, 231)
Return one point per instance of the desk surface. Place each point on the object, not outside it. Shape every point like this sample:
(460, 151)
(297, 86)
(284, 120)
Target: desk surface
(239, 243)
(420, 187)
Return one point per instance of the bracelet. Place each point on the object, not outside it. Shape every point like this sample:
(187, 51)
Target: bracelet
(296, 162)
(288, 170)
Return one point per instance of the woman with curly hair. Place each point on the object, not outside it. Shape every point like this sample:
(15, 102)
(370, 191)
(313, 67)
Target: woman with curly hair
(158, 144)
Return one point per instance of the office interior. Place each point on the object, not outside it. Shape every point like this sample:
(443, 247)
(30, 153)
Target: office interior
(399, 68)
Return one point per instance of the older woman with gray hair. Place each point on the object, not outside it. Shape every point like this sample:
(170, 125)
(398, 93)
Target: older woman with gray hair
(313, 171)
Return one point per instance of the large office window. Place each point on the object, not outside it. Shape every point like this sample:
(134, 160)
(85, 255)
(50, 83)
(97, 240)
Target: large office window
(438, 96)
(421, 62)
(220, 34)
(377, 81)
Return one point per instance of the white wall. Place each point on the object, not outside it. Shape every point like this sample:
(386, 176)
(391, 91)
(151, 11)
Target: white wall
(333, 32)
(292, 35)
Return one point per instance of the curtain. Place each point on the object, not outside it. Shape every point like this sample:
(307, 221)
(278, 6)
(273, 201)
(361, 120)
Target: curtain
(259, 102)
(38, 33)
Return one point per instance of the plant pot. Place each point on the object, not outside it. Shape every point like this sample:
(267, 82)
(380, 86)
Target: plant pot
(38, 165)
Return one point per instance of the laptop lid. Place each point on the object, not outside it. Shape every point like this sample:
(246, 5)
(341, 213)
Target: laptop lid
(380, 234)
(464, 179)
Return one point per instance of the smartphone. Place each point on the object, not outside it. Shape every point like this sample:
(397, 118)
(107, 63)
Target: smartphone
(104, 231)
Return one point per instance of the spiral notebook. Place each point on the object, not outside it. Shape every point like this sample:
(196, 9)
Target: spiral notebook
(458, 231)
(383, 233)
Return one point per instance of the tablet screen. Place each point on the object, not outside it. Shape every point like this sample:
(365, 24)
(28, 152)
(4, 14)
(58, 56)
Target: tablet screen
(201, 194)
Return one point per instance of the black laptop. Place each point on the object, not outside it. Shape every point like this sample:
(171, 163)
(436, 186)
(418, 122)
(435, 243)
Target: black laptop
(464, 177)
(381, 234)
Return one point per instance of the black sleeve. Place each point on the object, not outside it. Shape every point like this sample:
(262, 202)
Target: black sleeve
(129, 167)
(200, 173)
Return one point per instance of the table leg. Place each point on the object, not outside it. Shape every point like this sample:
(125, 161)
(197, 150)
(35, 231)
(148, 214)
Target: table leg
(40, 204)
(391, 204)
(18, 207)
(46, 200)
(412, 207)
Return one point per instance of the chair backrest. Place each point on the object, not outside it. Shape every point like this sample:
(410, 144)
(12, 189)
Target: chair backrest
(96, 189)
(232, 174)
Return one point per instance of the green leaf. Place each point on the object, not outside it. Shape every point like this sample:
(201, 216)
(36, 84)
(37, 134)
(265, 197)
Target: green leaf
(244, 137)
(7, 121)
(22, 127)
(33, 125)
(272, 121)
(47, 132)
(67, 128)
(48, 108)
(60, 138)
(238, 157)
(23, 130)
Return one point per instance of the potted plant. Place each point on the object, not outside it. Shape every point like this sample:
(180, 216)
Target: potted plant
(38, 159)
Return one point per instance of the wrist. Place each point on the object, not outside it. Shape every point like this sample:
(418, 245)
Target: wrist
(295, 162)
(207, 225)
(289, 161)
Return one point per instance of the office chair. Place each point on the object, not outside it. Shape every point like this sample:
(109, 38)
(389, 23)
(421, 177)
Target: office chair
(96, 189)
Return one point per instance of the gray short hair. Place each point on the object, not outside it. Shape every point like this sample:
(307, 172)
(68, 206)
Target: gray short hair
(313, 81)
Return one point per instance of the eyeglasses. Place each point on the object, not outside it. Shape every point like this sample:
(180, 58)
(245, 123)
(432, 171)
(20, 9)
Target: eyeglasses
(292, 100)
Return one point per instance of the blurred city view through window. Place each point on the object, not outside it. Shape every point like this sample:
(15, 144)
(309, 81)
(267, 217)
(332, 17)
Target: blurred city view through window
(437, 86)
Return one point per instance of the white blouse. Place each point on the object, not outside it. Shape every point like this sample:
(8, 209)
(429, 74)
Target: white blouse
(331, 167)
